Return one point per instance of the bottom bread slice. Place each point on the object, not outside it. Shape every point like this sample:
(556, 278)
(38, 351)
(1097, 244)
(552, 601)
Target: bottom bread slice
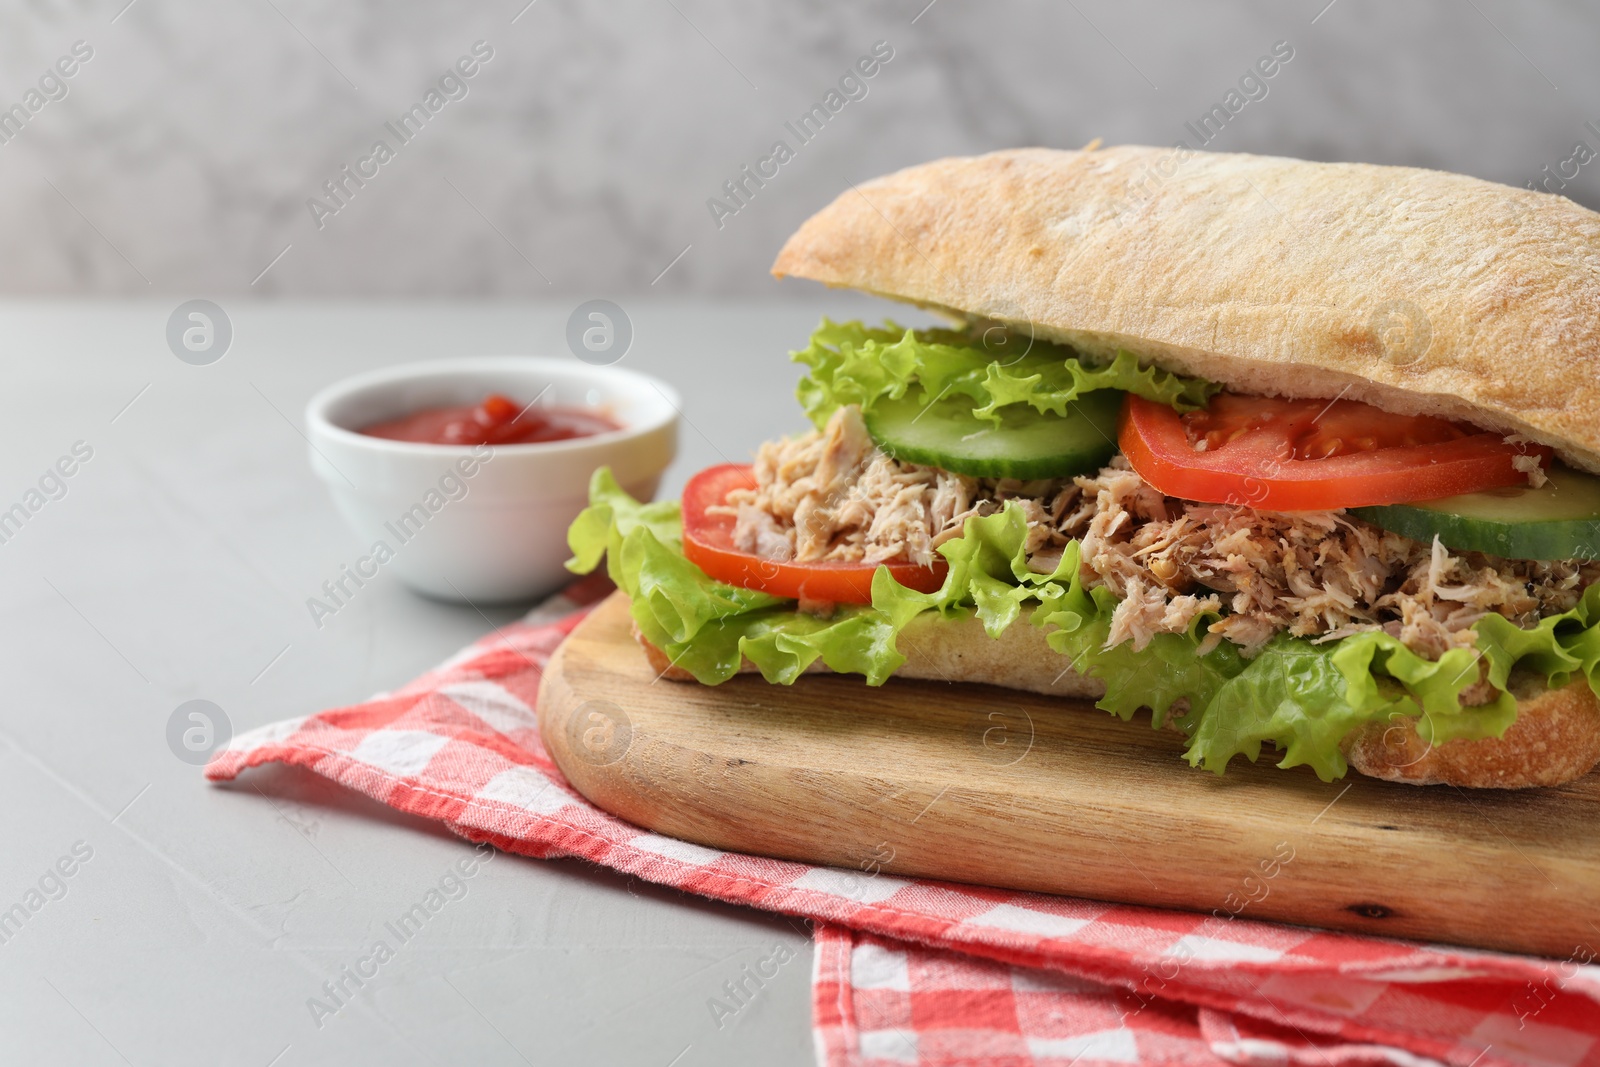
(1555, 738)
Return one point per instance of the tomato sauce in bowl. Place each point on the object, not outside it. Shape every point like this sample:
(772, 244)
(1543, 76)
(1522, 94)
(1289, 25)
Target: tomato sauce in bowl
(498, 420)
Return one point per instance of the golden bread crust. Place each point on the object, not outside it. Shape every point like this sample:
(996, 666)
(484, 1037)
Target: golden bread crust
(1555, 739)
(1416, 290)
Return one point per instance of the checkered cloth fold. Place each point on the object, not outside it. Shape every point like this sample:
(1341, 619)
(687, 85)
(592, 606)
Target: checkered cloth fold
(939, 974)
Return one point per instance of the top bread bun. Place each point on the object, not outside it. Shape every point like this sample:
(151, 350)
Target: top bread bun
(1417, 291)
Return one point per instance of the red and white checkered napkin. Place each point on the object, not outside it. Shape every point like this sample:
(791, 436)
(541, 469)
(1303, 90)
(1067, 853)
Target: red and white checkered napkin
(933, 973)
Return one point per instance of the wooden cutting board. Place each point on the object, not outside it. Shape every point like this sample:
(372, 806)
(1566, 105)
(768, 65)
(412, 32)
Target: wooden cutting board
(977, 784)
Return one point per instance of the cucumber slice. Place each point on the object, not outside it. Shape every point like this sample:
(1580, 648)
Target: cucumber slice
(1559, 520)
(1026, 444)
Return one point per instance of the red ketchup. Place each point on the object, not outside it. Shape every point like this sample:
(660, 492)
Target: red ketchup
(499, 420)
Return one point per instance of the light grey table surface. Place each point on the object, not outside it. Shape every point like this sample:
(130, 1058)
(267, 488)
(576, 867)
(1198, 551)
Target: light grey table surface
(176, 566)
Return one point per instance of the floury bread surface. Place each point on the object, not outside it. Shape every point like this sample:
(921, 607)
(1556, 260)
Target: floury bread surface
(1414, 290)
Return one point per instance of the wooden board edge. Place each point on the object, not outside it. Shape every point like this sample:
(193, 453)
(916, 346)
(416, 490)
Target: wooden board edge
(616, 775)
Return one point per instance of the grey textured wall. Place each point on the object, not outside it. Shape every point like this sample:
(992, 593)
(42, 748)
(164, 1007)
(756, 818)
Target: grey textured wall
(179, 158)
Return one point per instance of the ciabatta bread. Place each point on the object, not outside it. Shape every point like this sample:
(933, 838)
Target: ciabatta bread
(1414, 290)
(1555, 738)
(1417, 291)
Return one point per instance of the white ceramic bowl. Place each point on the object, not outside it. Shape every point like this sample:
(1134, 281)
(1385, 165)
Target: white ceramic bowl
(495, 529)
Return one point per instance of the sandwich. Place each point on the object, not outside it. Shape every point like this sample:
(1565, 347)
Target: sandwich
(1301, 460)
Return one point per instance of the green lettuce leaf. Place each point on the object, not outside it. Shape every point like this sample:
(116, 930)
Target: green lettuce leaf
(705, 626)
(850, 363)
(1168, 669)
(1305, 698)
(1302, 698)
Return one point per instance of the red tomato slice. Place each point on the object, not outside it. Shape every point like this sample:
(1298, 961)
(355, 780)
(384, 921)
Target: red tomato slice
(1312, 455)
(708, 544)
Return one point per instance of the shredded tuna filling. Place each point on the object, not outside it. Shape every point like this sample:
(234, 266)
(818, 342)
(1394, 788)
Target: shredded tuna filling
(832, 495)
